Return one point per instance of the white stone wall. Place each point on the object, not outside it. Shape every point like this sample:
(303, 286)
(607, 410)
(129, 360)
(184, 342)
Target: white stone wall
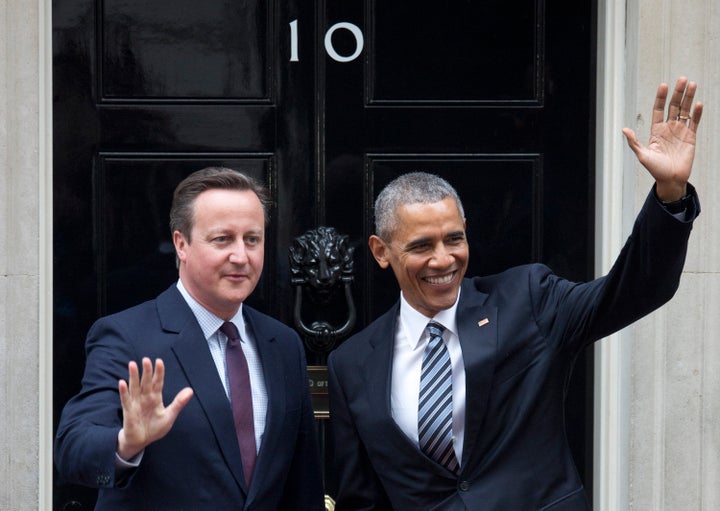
(20, 255)
(674, 389)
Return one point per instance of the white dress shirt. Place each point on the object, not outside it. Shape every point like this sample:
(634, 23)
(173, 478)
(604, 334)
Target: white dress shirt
(217, 342)
(411, 339)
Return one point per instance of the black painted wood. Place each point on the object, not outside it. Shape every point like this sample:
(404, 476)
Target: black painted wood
(495, 96)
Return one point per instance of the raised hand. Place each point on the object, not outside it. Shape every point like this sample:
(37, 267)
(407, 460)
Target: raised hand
(669, 154)
(145, 418)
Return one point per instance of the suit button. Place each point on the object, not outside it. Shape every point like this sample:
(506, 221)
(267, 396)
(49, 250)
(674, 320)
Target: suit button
(464, 486)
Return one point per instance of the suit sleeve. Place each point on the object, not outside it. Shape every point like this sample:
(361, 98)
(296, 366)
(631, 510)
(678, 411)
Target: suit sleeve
(359, 488)
(645, 275)
(86, 438)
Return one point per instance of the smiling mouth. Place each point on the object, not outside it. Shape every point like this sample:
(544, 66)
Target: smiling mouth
(443, 279)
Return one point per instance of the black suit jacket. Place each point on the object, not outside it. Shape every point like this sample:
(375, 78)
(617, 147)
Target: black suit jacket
(197, 466)
(517, 367)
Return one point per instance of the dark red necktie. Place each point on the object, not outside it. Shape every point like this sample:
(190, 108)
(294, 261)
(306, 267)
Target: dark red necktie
(241, 398)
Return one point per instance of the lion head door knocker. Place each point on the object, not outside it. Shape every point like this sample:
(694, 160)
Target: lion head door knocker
(321, 267)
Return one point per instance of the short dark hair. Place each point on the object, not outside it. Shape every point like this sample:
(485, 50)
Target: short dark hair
(209, 178)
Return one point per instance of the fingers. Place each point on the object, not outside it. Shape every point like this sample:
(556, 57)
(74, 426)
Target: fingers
(147, 376)
(695, 117)
(133, 383)
(676, 99)
(658, 114)
(129, 387)
(159, 375)
(686, 102)
(681, 104)
(149, 381)
(123, 390)
(680, 107)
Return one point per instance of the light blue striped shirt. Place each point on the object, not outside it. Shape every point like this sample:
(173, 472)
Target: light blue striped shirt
(217, 342)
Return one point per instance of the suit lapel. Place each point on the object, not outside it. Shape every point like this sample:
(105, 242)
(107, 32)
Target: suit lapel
(378, 368)
(276, 393)
(194, 357)
(377, 371)
(477, 326)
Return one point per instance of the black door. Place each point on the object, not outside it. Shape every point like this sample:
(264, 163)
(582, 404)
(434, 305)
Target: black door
(325, 102)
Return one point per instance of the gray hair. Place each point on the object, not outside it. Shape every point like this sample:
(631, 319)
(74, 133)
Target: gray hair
(410, 189)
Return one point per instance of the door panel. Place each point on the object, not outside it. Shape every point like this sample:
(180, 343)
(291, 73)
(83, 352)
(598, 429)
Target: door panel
(466, 53)
(152, 51)
(325, 102)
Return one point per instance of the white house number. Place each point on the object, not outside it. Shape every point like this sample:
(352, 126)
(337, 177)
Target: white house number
(343, 25)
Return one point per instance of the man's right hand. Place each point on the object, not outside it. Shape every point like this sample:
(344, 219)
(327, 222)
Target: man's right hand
(145, 418)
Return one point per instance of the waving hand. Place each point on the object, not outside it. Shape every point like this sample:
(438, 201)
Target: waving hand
(145, 418)
(669, 154)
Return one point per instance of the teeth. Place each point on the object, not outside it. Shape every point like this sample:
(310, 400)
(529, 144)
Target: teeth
(439, 280)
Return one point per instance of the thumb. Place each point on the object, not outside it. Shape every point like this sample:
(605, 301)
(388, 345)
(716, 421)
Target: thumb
(183, 397)
(632, 140)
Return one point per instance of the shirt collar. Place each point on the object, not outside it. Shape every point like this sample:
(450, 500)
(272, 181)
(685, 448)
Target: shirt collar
(413, 323)
(209, 322)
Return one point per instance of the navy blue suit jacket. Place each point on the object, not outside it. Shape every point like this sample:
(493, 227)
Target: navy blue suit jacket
(517, 366)
(197, 465)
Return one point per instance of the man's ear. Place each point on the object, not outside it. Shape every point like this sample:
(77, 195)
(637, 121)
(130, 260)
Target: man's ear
(379, 251)
(180, 244)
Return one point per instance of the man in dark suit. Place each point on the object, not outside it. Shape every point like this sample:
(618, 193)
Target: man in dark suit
(208, 449)
(453, 400)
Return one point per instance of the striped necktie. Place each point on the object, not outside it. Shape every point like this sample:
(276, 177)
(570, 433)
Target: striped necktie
(435, 401)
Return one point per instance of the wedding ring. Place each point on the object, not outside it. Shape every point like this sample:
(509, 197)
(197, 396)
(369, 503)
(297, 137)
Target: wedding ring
(683, 117)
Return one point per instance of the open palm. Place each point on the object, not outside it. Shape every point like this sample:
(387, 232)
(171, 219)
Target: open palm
(670, 152)
(145, 417)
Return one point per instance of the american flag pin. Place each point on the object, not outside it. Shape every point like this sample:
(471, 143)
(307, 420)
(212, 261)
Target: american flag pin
(483, 322)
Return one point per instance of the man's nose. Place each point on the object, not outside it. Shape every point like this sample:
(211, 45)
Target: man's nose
(441, 256)
(238, 254)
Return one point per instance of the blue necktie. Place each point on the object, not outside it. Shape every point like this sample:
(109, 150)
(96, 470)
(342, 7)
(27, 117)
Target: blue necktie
(435, 401)
(241, 398)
